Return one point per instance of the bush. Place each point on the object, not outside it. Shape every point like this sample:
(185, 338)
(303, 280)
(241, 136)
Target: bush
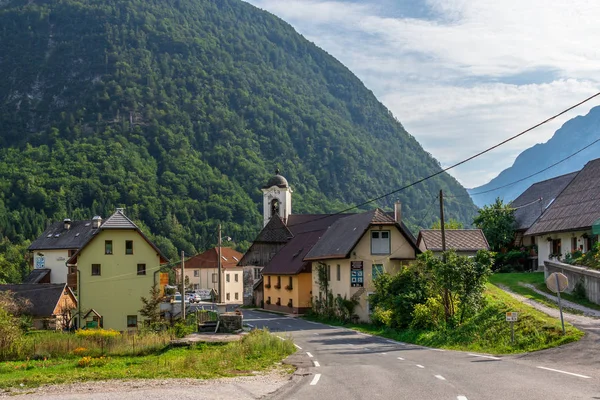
(182, 329)
(579, 291)
(429, 315)
(97, 334)
(381, 316)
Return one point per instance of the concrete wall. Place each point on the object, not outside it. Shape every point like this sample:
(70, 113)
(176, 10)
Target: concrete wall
(116, 293)
(400, 248)
(55, 260)
(589, 277)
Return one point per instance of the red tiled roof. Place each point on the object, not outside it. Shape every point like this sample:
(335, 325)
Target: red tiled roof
(456, 239)
(209, 259)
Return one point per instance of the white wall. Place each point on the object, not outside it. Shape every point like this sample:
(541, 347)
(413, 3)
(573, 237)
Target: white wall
(55, 260)
(545, 246)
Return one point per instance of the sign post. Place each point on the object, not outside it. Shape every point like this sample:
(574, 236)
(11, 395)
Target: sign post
(512, 317)
(557, 283)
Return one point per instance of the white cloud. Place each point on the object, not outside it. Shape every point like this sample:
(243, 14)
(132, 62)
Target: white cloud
(478, 72)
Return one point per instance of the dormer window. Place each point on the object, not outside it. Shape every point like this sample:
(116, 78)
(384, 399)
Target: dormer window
(380, 242)
(108, 248)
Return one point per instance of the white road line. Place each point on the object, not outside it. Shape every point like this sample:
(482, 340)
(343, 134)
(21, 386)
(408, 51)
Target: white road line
(391, 341)
(400, 358)
(280, 337)
(420, 366)
(317, 364)
(316, 334)
(310, 322)
(315, 379)
(384, 354)
(250, 325)
(308, 354)
(350, 344)
(461, 398)
(298, 347)
(289, 326)
(441, 378)
(483, 356)
(565, 372)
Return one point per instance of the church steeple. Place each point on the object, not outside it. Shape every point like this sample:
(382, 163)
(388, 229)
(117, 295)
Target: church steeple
(277, 198)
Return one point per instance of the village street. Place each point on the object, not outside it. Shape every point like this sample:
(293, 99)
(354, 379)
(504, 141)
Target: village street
(346, 364)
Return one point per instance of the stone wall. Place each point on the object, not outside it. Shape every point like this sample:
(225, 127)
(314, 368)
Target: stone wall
(230, 322)
(589, 277)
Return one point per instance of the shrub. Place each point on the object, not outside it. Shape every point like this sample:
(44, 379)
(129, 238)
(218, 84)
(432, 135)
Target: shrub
(429, 315)
(579, 290)
(381, 316)
(80, 351)
(88, 361)
(97, 334)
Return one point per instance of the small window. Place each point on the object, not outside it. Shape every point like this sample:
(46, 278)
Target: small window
(196, 273)
(235, 276)
(227, 277)
(574, 244)
(132, 321)
(268, 280)
(129, 247)
(96, 271)
(329, 273)
(290, 283)
(257, 273)
(71, 252)
(214, 278)
(108, 247)
(377, 271)
(278, 282)
(236, 295)
(141, 269)
(228, 296)
(339, 272)
(380, 242)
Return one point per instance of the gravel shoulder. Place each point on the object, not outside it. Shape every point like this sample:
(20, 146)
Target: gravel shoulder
(243, 387)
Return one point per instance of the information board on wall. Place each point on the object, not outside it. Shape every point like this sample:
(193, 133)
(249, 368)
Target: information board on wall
(356, 274)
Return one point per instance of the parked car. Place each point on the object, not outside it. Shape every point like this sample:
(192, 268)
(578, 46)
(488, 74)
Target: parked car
(195, 298)
(177, 299)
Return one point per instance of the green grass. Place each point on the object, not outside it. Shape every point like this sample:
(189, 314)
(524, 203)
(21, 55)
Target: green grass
(536, 279)
(256, 352)
(488, 332)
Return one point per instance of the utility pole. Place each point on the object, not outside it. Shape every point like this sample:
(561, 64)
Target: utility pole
(446, 294)
(182, 286)
(219, 267)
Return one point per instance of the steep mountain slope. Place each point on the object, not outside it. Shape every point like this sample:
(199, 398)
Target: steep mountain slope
(574, 135)
(180, 111)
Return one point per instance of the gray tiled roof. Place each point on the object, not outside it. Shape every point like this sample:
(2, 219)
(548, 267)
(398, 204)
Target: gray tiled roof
(547, 191)
(274, 232)
(43, 297)
(576, 207)
(36, 275)
(343, 235)
(118, 221)
(456, 239)
(57, 237)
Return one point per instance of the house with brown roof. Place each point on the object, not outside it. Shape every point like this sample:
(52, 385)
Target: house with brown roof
(201, 272)
(572, 221)
(51, 306)
(352, 247)
(466, 242)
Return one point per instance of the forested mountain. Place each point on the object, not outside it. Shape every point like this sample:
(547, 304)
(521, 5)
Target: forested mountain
(574, 135)
(180, 111)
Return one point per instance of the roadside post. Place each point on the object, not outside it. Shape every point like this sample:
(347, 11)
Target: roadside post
(512, 317)
(557, 283)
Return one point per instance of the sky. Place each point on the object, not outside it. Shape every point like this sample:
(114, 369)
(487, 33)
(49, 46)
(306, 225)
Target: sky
(463, 75)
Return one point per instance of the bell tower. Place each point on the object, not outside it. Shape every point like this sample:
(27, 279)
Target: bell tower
(277, 198)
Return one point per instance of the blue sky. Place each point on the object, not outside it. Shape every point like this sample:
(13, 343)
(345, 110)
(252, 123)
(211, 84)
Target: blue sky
(463, 75)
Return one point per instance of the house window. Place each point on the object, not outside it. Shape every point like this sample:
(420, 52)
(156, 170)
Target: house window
(235, 277)
(257, 273)
(380, 242)
(290, 281)
(132, 321)
(141, 269)
(108, 247)
(338, 272)
(71, 252)
(96, 270)
(227, 277)
(574, 244)
(278, 286)
(236, 295)
(269, 280)
(214, 278)
(129, 247)
(556, 247)
(228, 296)
(329, 273)
(377, 271)
(370, 307)
(196, 273)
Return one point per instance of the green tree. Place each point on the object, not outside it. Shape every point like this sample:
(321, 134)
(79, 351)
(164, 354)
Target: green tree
(450, 224)
(150, 307)
(498, 224)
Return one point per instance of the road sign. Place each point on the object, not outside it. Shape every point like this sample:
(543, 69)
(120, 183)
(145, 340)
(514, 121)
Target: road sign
(557, 282)
(512, 316)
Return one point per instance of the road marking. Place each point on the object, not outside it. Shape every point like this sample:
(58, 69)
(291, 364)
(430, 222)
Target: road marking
(420, 366)
(350, 344)
(400, 358)
(384, 354)
(391, 341)
(298, 347)
(310, 322)
(316, 334)
(250, 325)
(461, 398)
(481, 355)
(441, 378)
(317, 364)
(280, 337)
(308, 354)
(315, 379)
(565, 372)
(289, 326)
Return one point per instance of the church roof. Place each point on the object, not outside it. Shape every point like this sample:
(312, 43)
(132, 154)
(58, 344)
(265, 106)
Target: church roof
(277, 180)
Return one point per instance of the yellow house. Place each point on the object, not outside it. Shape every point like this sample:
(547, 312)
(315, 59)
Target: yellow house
(116, 267)
(355, 250)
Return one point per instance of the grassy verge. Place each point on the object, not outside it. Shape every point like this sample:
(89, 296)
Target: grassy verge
(256, 352)
(488, 332)
(513, 280)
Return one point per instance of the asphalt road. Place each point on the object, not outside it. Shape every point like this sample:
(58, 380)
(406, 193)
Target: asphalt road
(346, 364)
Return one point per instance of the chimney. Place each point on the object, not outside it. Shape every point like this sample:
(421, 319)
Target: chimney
(398, 212)
(67, 222)
(96, 222)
